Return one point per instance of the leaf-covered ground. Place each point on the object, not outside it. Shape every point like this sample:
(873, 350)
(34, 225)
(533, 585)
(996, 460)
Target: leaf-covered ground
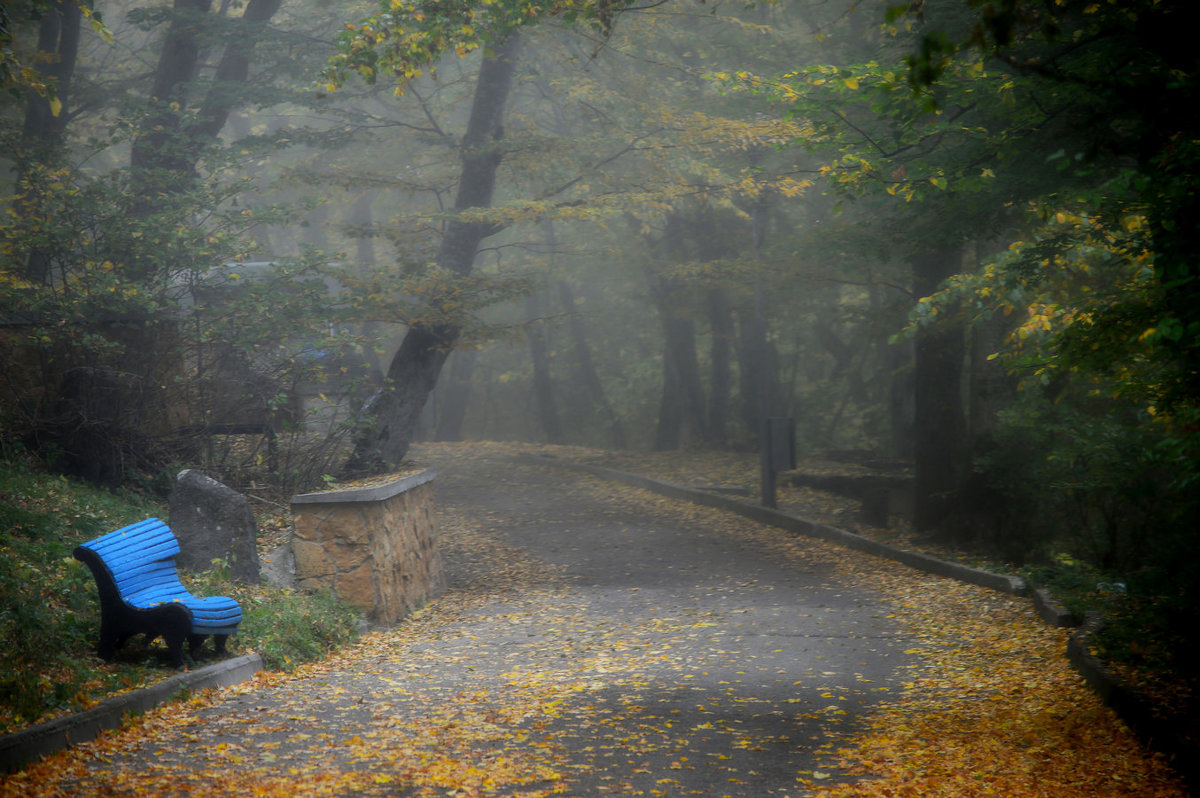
(597, 640)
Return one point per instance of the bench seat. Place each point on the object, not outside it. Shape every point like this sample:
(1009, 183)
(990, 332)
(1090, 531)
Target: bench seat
(140, 593)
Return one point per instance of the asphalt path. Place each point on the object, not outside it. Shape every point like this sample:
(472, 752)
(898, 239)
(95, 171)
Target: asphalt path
(592, 640)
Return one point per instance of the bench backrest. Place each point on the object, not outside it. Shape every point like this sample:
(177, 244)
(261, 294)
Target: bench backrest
(140, 557)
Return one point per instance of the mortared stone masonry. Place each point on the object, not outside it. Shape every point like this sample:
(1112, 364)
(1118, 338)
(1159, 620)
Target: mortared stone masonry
(374, 547)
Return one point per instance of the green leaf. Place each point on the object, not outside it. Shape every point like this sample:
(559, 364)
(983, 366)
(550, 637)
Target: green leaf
(102, 29)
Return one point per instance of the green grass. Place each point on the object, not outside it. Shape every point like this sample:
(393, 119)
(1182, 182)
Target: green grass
(49, 610)
(286, 627)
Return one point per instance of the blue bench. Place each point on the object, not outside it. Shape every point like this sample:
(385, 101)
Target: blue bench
(140, 593)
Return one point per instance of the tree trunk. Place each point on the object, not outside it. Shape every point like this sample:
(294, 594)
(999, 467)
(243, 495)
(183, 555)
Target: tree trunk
(360, 229)
(364, 257)
(940, 442)
(901, 391)
(44, 131)
(543, 385)
(384, 441)
(720, 316)
(166, 153)
(758, 372)
(158, 147)
(588, 376)
(668, 433)
(990, 388)
(681, 417)
(893, 387)
(397, 407)
(456, 396)
(224, 93)
(759, 363)
(58, 49)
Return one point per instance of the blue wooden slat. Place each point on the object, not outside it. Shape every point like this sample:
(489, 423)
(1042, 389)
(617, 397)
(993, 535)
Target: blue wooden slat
(165, 565)
(136, 535)
(150, 598)
(134, 552)
(148, 530)
(212, 612)
(138, 555)
(141, 559)
(133, 581)
(131, 584)
(140, 587)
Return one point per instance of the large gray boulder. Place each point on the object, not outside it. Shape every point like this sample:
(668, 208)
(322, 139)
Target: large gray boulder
(213, 521)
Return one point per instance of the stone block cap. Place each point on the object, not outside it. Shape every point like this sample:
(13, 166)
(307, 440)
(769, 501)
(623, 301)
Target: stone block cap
(375, 490)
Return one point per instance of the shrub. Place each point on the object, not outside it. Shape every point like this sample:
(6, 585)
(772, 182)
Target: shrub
(1105, 494)
(288, 628)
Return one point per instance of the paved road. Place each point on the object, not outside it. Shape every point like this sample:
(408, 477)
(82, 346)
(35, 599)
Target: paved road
(593, 641)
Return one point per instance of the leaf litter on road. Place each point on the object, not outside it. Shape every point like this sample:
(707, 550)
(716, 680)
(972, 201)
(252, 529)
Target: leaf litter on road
(509, 685)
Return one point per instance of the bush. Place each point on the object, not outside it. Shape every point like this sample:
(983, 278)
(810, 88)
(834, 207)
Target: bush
(288, 628)
(1104, 494)
(1088, 479)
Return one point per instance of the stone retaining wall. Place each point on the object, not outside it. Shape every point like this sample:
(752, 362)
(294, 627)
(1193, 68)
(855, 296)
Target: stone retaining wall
(374, 547)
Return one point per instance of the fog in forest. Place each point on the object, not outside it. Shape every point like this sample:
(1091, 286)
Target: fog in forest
(283, 241)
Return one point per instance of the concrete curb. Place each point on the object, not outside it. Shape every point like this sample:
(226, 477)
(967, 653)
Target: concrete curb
(1005, 584)
(1052, 610)
(21, 748)
(1167, 734)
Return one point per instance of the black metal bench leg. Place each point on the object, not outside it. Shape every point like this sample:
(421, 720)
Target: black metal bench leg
(110, 639)
(195, 643)
(175, 649)
(110, 644)
(107, 647)
(219, 643)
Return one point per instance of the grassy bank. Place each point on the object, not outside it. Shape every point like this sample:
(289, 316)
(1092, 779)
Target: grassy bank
(49, 611)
